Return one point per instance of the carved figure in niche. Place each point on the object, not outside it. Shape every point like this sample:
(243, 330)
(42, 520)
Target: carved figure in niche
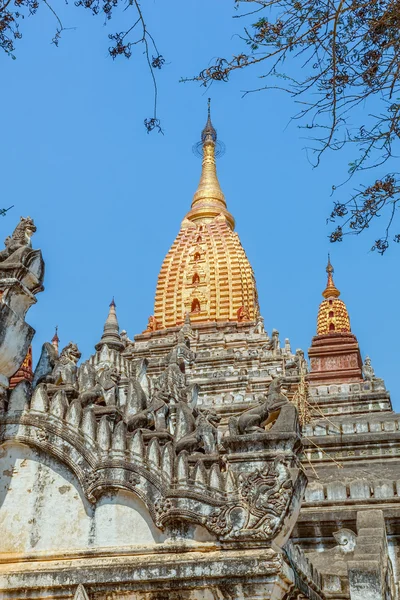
(255, 419)
(242, 314)
(367, 369)
(195, 308)
(21, 238)
(335, 559)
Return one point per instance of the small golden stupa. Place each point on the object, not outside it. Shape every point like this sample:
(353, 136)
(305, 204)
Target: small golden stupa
(332, 315)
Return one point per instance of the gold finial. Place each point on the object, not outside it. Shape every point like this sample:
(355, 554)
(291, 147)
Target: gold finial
(331, 290)
(209, 200)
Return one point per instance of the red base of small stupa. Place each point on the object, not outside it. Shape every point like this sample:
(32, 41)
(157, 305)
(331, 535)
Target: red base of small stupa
(335, 357)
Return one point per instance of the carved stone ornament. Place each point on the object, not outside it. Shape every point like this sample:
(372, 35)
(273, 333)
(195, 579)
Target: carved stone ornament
(80, 593)
(21, 277)
(249, 488)
(159, 444)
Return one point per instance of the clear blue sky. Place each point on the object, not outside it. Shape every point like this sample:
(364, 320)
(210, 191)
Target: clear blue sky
(108, 198)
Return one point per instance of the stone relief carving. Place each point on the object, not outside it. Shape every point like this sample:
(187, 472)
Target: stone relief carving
(196, 431)
(157, 443)
(171, 455)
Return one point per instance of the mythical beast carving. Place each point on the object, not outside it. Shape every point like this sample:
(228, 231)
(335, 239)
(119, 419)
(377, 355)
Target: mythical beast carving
(255, 419)
(20, 238)
(196, 431)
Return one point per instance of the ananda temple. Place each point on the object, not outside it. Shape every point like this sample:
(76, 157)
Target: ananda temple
(202, 459)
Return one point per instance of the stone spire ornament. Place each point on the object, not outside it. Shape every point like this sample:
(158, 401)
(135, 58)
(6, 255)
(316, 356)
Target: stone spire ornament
(111, 336)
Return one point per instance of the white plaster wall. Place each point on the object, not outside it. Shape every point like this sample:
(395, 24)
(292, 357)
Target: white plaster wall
(42, 509)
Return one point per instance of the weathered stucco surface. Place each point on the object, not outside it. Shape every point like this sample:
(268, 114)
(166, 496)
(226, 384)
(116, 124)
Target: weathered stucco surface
(42, 509)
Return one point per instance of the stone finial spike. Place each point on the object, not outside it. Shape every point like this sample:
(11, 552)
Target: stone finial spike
(111, 336)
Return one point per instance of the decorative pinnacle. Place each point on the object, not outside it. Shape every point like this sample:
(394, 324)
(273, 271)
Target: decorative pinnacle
(209, 200)
(55, 340)
(111, 335)
(331, 290)
(209, 133)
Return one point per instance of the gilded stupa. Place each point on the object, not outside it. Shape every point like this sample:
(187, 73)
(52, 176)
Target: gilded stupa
(206, 272)
(332, 315)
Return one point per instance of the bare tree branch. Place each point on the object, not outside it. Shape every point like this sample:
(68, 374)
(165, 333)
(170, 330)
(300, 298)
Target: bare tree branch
(348, 55)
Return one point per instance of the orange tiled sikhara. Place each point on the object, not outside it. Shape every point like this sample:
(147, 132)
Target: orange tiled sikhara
(206, 272)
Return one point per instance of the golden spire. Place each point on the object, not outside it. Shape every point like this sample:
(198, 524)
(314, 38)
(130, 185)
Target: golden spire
(206, 272)
(332, 315)
(331, 290)
(209, 200)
